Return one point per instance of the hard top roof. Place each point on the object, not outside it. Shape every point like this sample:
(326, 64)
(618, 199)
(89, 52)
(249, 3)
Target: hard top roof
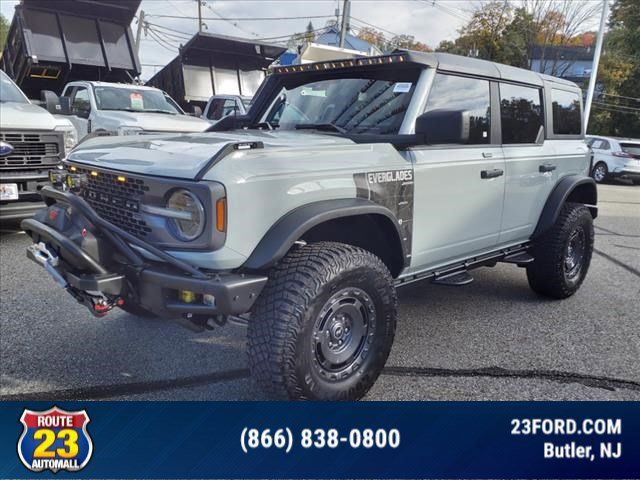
(441, 61)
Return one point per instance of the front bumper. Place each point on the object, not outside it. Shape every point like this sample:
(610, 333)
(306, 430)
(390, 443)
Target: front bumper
(94, 261)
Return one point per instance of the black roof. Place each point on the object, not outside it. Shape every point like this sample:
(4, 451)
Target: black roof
(209, 49)
(120, 11)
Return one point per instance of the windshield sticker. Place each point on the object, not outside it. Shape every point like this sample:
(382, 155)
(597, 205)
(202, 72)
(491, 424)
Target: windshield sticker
(136, 101)
(402, 87)
(313, 93)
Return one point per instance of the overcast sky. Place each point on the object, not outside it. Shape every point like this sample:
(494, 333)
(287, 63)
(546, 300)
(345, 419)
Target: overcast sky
(419, 18)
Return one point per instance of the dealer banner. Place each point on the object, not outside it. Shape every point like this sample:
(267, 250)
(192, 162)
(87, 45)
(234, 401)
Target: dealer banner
(319, 440)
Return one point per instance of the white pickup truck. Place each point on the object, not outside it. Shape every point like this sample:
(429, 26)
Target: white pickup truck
(32, 141)
(100, 108)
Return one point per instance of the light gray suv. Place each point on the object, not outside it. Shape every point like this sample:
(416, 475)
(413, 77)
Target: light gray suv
(345, 180)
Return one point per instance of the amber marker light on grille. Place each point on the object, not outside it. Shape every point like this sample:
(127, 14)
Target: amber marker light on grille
(72, 168)
(121, 179)
(221, 215)
(94, 173)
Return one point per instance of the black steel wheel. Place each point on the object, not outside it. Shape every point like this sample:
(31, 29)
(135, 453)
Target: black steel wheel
(563, 254)
(323, 327)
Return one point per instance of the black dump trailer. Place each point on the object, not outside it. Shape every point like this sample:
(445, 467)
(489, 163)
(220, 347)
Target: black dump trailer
(51, 43)
(215, 65)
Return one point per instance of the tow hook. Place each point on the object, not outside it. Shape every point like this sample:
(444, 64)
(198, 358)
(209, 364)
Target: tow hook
(41, 254)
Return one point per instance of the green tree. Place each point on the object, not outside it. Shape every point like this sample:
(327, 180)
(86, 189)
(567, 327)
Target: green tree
(619, 75)
(4, 30)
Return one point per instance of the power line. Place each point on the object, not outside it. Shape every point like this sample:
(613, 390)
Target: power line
(376, 27)
(248, 19)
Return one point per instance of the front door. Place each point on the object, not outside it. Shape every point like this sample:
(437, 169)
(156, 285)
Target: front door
(459, 189)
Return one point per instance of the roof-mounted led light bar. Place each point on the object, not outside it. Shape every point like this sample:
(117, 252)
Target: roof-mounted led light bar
(338, 64)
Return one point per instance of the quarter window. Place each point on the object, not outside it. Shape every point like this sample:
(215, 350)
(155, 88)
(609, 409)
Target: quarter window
(450, 92)
(566, 112)
(521, 113)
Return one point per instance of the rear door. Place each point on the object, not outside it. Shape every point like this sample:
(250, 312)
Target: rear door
(531, 162)
(459, 189)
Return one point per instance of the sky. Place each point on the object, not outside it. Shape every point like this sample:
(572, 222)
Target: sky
(427, 23)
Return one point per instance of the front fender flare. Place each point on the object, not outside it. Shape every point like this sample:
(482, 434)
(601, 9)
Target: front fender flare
(292, 226)
(561, 194)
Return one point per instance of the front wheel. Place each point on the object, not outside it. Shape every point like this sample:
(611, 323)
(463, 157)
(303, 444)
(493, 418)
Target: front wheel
(563, 254)
(323, 327)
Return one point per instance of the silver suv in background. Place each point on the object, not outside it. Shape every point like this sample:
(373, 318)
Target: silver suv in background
(101, 108)
(615, 158)
(31, 142)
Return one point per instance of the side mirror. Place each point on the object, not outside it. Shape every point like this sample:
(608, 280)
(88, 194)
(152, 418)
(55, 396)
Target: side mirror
(444, 126)
(51, 102)
(65, 105)
(197, 111)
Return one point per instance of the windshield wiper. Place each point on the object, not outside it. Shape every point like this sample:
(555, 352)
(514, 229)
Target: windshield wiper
(321, 126)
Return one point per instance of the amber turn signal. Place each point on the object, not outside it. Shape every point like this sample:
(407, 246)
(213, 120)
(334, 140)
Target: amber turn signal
(221, 215)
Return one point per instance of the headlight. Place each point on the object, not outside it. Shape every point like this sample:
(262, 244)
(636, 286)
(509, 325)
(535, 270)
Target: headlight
(124, 130)
(187, 222)
(70, 136)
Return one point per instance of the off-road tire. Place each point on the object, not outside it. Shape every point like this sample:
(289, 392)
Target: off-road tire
(598, 178)
(548, 275)
(282, 332)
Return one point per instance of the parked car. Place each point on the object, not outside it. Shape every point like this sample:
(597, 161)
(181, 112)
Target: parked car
(219, 106)
(101, 108)
(31, 142)
(615, 158)
(344, 181)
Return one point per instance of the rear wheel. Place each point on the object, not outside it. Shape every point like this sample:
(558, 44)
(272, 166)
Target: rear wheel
(323, 327)
(563, 254)
(600, 172)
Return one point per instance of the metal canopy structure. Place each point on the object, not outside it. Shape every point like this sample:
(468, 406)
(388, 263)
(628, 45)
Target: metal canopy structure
(51, 43)
(215, 64)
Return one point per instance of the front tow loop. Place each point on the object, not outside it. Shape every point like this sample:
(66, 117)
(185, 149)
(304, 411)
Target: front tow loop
(98, 303)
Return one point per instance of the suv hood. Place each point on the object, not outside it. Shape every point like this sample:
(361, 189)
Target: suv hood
(184, 156)
(155, 122)
(26, 116)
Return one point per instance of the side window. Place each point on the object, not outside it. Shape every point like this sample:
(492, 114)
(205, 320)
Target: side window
(229, 107)
(605, 145)
(80, 102)
(566, 112)
(215, 109)
(450, 92)
(597, 144)
(520, 113)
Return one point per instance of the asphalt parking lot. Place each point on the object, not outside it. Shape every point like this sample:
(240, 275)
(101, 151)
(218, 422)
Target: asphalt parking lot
(491, 340)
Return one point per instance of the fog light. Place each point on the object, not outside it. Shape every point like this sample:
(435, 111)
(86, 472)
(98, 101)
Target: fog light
(209, 300)
(187, 297)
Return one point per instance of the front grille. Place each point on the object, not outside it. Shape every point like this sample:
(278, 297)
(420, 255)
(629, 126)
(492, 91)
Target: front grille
(31, 150)
(117, 202)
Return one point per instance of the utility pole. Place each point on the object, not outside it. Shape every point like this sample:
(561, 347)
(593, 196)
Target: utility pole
(199, 15)
(596, 62)
(346, 13)
(139, 31)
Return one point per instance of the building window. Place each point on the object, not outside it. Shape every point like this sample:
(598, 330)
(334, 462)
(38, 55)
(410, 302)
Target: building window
(566, 112)
(520, 112)
(450, 92)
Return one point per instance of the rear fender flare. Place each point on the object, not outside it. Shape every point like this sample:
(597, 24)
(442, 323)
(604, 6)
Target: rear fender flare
(583, 190)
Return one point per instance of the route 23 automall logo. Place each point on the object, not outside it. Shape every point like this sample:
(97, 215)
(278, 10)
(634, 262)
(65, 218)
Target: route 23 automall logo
(55, 440)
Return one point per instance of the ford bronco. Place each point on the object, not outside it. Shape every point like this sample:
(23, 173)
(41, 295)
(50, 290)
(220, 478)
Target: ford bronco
(344, 180)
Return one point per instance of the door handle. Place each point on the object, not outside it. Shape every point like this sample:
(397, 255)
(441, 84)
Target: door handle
(487, 155)
(547, 167)
(496, 172)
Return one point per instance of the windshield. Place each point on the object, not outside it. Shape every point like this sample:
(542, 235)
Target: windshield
(355, 105)
(9, 92)
(135, 100)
